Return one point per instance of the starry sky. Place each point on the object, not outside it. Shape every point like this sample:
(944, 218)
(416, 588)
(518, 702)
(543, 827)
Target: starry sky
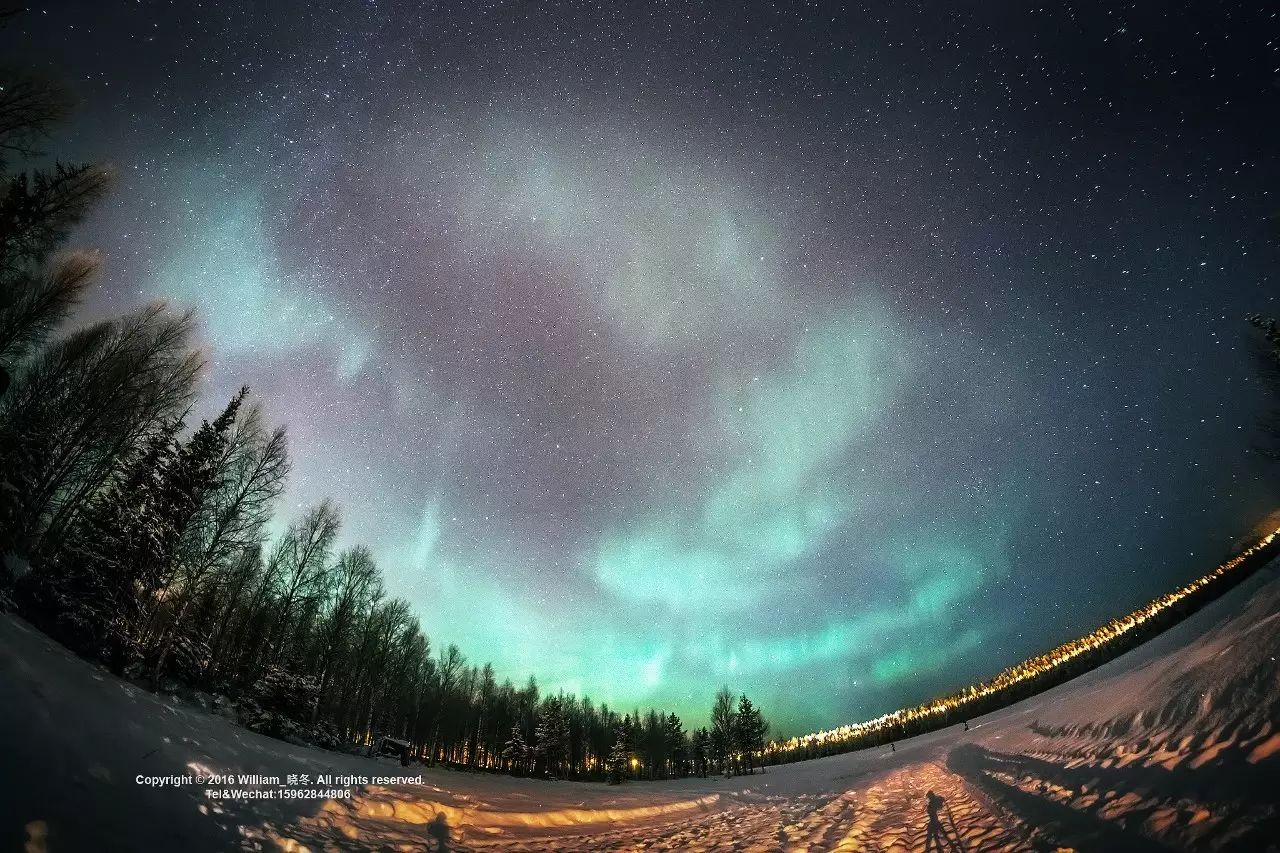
(841, 355)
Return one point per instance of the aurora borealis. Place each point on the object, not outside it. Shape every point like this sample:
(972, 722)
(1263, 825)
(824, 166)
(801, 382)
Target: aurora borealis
(844, 357)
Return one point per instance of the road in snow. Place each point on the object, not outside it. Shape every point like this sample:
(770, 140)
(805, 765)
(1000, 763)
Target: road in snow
(1173, 746)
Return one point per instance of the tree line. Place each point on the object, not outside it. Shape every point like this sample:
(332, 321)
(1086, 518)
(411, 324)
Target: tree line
(1041, 672)
(141, 541)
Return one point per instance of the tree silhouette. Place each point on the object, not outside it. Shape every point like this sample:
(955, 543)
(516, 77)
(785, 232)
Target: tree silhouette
(148, 546)
(1268, 360)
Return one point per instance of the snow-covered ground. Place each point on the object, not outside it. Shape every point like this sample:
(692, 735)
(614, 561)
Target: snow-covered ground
(1173, 746)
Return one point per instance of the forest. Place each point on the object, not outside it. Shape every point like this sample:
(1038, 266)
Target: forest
(140, 540)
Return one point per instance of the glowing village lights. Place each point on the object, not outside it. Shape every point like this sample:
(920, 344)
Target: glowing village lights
(1027, 669)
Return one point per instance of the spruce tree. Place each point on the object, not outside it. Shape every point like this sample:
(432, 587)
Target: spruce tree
(88, 595)
(93, 593)
(749, 729)
(675, 743)
(619, 756)
(515, 750)
(760, 728)
(552, 735)
(37, 211)
(193, 474)
(701, 752)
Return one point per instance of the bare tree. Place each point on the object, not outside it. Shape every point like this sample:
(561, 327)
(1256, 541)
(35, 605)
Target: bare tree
(449, 664)
(72, 420)
(388, 621)
(37, 211)
(722, 727)
(34, 305)
(227, 597)
(29, 107)
(303, 555)
(249, 477)
(355, 580)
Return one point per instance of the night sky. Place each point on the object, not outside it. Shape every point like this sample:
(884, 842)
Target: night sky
(840, 356)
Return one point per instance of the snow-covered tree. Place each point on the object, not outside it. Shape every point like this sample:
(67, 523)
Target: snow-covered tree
(33, 305)
(619, 757)
(96, 589)
(279, 703)
(89, 595)
(193, 475)
(552, 735)
(515, 751)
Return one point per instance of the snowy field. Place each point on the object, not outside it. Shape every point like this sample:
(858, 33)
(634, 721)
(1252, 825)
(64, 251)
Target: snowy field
(1173, 746)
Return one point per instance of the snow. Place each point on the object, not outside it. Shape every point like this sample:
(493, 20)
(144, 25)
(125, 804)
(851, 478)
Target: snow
(1175, 745)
